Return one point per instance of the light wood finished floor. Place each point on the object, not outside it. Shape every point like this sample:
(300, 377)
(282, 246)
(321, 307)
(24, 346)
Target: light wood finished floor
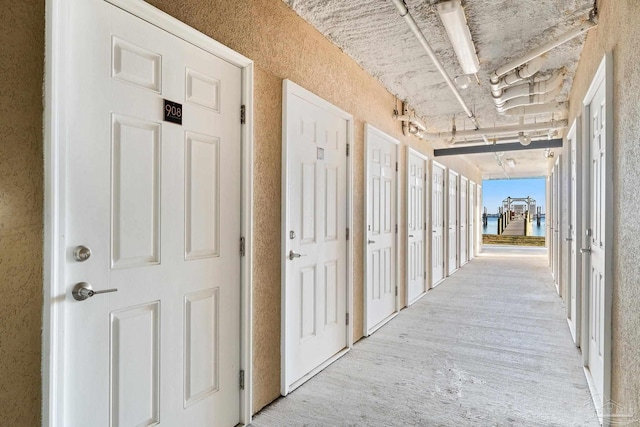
(489, 346)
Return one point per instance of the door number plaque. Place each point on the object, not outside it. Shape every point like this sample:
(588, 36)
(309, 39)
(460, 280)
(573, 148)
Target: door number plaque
(172, 112)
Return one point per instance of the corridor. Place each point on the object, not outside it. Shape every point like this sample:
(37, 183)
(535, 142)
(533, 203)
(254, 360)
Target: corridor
(489, 346)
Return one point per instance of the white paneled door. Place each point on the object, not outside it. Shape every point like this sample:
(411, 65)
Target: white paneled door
(556, 246)
(478, 213)
(597, 240)
(464, 210)
(152, 189)
(472, 220)
(381, 233)
(452, 217)
(416, 225)
(437, 223)
(314, 240)
(575, 223)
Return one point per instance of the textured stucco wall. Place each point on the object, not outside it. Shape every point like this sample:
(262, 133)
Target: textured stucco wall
(21, 194)
(282, 46)
(618, 32)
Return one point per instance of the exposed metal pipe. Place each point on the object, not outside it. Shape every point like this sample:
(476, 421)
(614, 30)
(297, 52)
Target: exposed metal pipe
(528, 89)
(512, 65)
(502, 130)
(524, 72)
(548, 108)
(498, 140)
(529, 100)
(411, 119)
(404, 13)
(405, 125)
(523, 139)
(513, 71)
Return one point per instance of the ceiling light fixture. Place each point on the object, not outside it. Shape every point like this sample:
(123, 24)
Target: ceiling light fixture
(462, 81)
(524, 139)
(455, 23)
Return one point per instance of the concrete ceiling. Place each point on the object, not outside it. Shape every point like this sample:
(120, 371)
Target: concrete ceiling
(376, 37)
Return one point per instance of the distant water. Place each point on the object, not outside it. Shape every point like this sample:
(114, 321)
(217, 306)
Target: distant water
(492, 227)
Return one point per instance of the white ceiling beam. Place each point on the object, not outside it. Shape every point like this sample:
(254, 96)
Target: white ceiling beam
(496, 148)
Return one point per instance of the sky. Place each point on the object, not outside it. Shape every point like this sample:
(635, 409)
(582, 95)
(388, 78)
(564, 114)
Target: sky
(494, 191)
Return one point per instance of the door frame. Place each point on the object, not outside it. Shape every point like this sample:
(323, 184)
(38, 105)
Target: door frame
(368, 130)
(472, 223)
(557, 226)
(290, 88)
(478, 213)
(552, 246)
(548, 217)
(56, 98)
(603, 75)
(427, 219)
(466, 222)
(444, 202)
(574, 199)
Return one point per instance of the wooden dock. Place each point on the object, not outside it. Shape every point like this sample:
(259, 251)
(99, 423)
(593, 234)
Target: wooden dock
(515, 228)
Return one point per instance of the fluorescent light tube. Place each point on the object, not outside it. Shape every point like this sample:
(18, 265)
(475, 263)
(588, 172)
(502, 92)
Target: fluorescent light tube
(452, 16)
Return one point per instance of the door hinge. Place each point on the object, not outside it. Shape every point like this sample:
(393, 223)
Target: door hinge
(396, 291)
(425, 275)
(396, 166)
(347, 234)
(396, 228)
(347, 149)
(242, 247)
(347, 317)
(243, 114)
(241, 379)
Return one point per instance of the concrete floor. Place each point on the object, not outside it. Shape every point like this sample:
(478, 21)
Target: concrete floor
(489, 346)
